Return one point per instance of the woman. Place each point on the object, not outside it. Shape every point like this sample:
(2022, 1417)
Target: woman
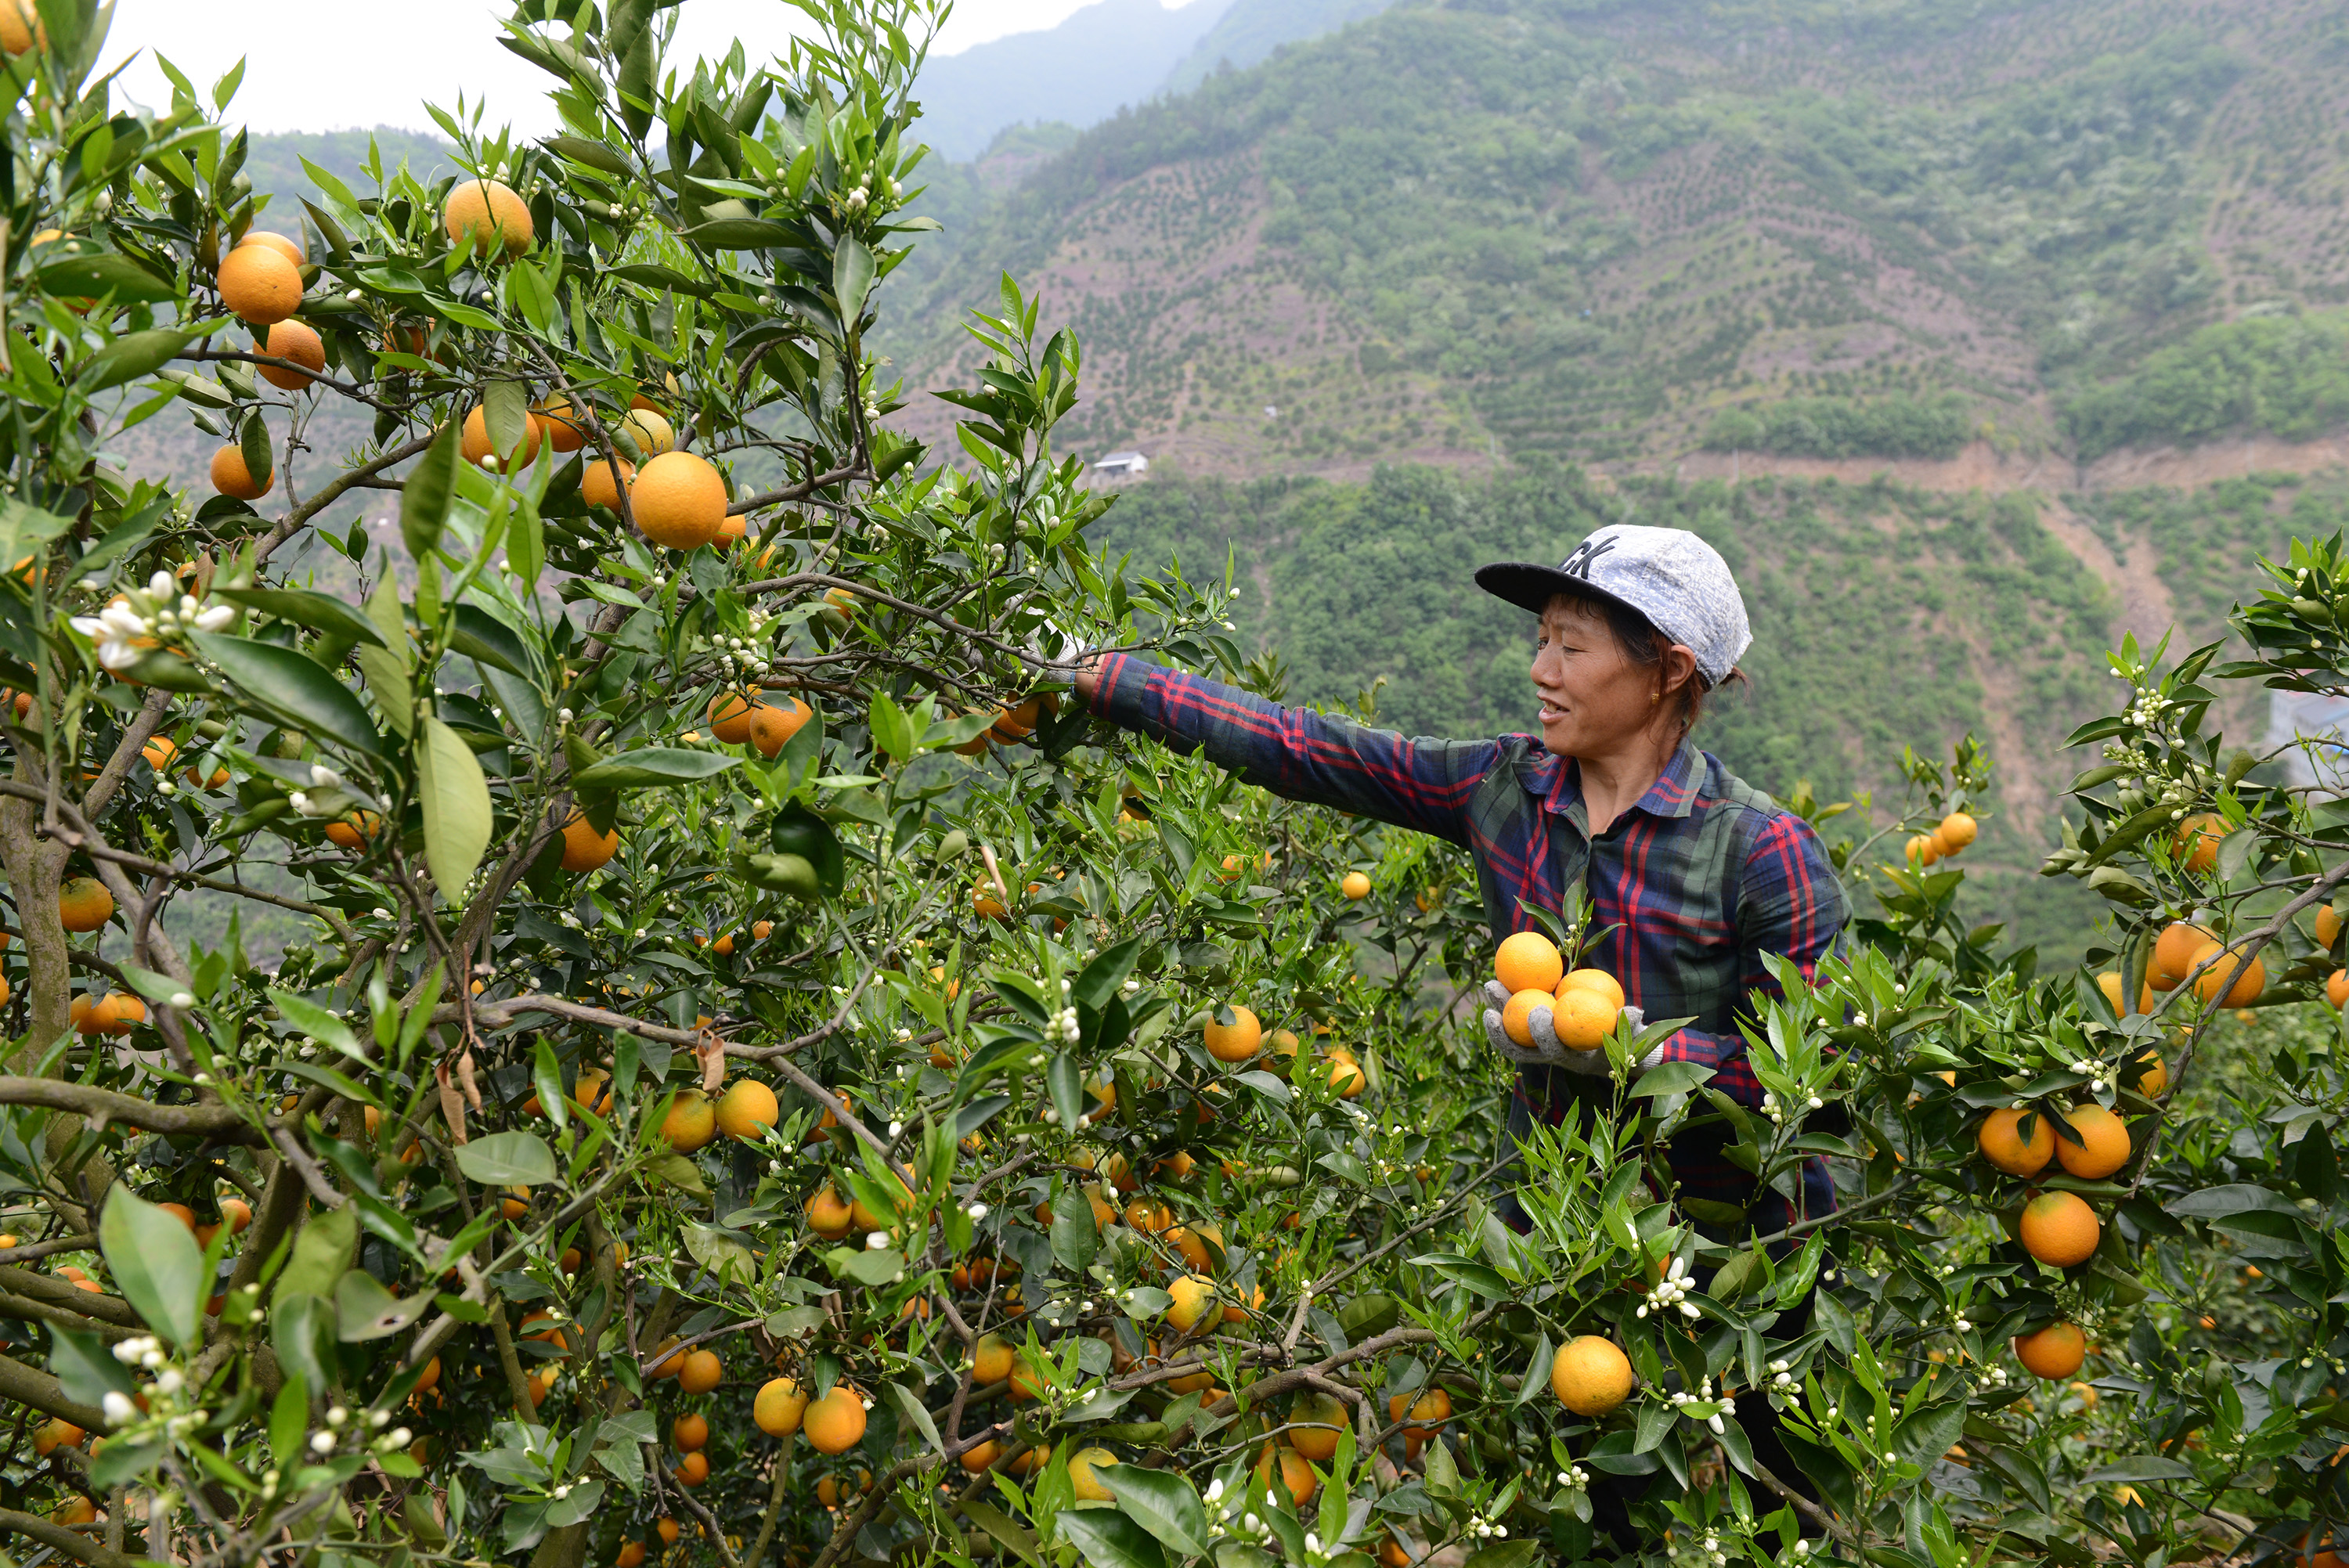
(1692, 877)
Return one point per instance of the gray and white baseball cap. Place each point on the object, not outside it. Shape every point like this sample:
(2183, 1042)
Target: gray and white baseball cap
(1676, 580)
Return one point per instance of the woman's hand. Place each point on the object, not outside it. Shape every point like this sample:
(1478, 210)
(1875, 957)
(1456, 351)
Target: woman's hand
(1088, 678)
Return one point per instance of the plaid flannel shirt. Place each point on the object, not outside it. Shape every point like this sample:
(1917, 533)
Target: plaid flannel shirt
(1697, 882)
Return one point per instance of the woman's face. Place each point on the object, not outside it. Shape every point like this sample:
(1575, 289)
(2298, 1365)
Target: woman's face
(1594, 699)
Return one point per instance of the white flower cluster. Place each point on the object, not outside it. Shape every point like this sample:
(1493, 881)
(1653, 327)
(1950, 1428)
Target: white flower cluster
(1670, 1291)
(146, 1353)
(1778, 1112)
(141, 619)
(1573, 1478)
(748, 657)
(1704, 1396)
(1480, 1527)
(1709, 1550)
(1780, 1377)
(2099, 1077)
(1063, 1027)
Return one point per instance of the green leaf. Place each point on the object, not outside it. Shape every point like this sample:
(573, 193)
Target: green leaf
(1110, 1540)
(507, 1160)
(1076, 1234)
(106, 272)
(289, 1421)
(651, 765)
(319, 612)
(742, 234)
(292, 686)
(26, 527)
(2139, 1467)
(852, 278)
(84, 1367)
(158, 1265)
(424, 500)
(1160, 1502)
(893, 728)
(321, 1252)
(1671, 1078)
(505, 414)
(364, 1310)
(482, 637)
(131, 356)
(594, 154)
(119, 1463)
(311, 1019)
(456, 812)
(1507, 1554)
(716, 1250)
(1105, 973)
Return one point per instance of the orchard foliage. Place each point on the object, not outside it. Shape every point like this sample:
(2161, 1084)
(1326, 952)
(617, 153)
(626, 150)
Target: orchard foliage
(745, 1089)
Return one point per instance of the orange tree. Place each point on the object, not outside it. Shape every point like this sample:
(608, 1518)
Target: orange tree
(750, 1074)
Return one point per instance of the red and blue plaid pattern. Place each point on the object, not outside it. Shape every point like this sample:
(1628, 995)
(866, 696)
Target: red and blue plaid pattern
(1697, 882)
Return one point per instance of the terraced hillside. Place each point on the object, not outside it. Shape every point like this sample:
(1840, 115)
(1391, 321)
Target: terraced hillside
(1621, 231)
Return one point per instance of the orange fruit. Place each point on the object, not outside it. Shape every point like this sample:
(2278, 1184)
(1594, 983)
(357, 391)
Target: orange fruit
(1355, 886)
(2328, 926)
(1149, 1216)
(772, 727)
(566, 431)
(1028, 1384)
(1956, 831)
(680, 501)
(2060, 1228)
(84, 904)
(835, 1423)
(354, 828)
(1528, 961)
(693, 1470)
(118, 1015)
(649, 431)
(487, 216)
(978, 1459)
(702, 1372)
(2004, 1148)
(1583, 1018)
(76, 1508)
(631, 1554)
(476, 443)
(584, 849)
(828, 1216)
(2232, 980)
(691, 1121)
(1923, 851)
(232, 479)
(2336, 987)
(1082, 1465)
(1194, 1297)
(2173, 953)
(77, 1013)
(291, 340)
(2055, 1351)
(668, 1529)
(690, 1432)
(259, 284)
(729, 716)
(1594, 980)
(1346, 1075)
(596, 486)
(288, 248)
(54, 1433)
(179, 1211)
(780, 1407)
(2196, 843)
(2155, 1077)
(1295, 1474)
(2109, 984)
(1324, 1418)
(1516, 1016)
(21, 27)
(1590, 1376)
(1238, 1041)
(2103, 1147)
(748, 1110)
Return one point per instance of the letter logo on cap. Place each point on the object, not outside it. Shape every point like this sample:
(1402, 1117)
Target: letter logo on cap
(1579, 563)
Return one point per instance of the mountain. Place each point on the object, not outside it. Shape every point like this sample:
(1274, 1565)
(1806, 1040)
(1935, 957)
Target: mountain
(1104, 56)
(1626, 232)
(1251, 29)
(273, 161)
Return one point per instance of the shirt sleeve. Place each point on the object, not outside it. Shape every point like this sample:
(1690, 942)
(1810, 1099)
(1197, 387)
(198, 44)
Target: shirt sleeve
(1296, 753)
(1791, 904)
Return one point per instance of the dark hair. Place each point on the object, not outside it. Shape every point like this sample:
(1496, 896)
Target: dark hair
(1645, 646)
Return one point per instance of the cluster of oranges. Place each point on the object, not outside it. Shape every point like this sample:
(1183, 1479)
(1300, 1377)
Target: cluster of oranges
(740, 719)
(2229, 978)
(1243, 1040)
(1954, 832)
(1583, 1003)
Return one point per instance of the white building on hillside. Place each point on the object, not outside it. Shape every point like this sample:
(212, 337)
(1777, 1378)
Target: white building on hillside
(1123, 466)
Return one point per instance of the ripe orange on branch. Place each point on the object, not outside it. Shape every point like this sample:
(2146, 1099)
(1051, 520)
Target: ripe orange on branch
(2104, 1146)
(2231, 979)
(835, 1423)
(584, 849)
(1590, 1376)
(2055, 1351)
(680, 501)
(2004, 1145)
(259, 284)
(596, 486)
(233, 479)
(2060, 1228)
(1238, 1041)
(486, 217)
(772, 725)
(84, 904)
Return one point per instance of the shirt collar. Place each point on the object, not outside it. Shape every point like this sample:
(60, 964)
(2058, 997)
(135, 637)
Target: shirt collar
(1673, 794)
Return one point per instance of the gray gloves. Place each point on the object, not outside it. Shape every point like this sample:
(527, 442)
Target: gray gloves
(1547, 1050)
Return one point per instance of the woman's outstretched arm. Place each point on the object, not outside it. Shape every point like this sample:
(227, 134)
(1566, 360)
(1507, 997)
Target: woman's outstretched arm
(1294, 752)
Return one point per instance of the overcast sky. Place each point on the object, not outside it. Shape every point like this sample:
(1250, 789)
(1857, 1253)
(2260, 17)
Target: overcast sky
(312, 67)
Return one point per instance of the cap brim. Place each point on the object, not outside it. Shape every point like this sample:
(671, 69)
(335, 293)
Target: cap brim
(1531, 588)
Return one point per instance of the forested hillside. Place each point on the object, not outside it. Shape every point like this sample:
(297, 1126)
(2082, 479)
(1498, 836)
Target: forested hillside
(1615, 232)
